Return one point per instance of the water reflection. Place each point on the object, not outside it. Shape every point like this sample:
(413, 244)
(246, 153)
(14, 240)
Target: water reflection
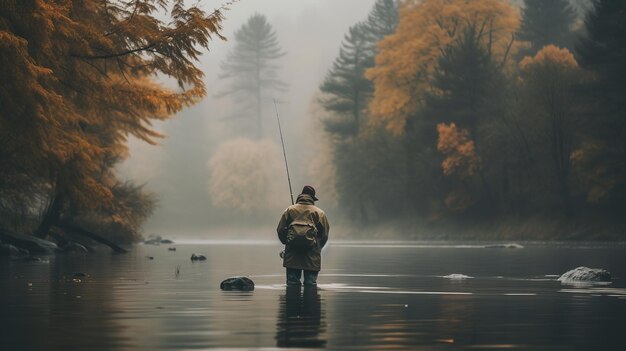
(301, 319)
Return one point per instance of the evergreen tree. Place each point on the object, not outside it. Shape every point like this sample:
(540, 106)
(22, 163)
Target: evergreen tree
(382, 20)
(252, 70)
(346, 89)
(547, 22)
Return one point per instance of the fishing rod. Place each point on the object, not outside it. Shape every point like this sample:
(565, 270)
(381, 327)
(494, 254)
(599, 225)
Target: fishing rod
(282, 142)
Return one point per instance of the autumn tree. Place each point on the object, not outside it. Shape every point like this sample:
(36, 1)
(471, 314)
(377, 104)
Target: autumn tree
(252, 70)
(550, 79)
(79, 77)
(601, 51)
(408, 58)
(545, 23)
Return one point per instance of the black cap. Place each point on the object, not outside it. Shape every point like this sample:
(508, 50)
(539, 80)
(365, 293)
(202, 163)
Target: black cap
(309, 190)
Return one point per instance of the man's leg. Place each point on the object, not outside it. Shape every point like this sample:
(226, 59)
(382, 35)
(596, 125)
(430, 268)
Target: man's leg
(293, 276)
(310, 278)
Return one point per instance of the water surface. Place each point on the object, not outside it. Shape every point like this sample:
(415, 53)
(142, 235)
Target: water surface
(371, 295)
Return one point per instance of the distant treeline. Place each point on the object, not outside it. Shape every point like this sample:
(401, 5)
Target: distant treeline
(78, 78)
(461, 110)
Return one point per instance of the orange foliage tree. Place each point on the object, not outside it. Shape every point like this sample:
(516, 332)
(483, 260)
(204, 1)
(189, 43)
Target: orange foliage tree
(79, 77)
(456, 145)
(407, 59)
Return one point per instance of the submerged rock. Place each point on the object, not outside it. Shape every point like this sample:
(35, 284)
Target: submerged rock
(585, 275)
(504, 246)
(237, 283)
(198, 257)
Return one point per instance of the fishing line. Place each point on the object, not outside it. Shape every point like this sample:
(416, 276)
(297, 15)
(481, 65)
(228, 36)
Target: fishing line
(282, 142)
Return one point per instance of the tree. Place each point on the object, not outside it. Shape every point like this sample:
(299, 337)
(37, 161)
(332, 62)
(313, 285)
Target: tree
(346, 95)
(79, 77)
(346, 90)
(547, 22)
(382, 20)
(601, 51)
(251, 68)
(407, 59)
(550, 79)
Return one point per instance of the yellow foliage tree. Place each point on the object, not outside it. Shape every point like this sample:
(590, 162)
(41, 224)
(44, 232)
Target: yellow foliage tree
(408, 58)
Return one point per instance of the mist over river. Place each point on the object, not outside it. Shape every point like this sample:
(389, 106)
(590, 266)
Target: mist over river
(371, 295)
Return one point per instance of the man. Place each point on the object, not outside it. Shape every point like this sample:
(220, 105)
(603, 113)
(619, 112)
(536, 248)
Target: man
(303, 229)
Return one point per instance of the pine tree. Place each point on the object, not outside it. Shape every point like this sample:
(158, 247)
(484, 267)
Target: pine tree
(251, 68)
(547, 22)
(382, 20)
(347, 91)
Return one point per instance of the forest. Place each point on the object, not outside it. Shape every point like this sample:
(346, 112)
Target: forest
(446, 119)
(469, 116)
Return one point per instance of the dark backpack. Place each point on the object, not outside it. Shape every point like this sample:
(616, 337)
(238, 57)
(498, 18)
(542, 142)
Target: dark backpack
(301, 235)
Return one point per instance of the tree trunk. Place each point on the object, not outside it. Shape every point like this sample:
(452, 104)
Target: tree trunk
(52, 216)
(90, 235)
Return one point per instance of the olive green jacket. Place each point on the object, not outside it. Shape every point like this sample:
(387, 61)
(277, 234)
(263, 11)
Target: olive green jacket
(310, 260)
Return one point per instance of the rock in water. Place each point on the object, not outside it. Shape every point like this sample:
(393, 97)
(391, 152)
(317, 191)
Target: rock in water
(504, 246)
(585, 275)
(237, 283)
(198, 257)
(171, 249)
(457, 276)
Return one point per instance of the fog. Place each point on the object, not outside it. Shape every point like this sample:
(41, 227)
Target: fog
(178, 170)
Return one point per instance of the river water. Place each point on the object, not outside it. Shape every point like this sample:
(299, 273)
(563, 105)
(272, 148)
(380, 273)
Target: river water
(371, 295)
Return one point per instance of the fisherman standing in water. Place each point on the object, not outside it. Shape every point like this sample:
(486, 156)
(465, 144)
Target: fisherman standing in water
(303, 229)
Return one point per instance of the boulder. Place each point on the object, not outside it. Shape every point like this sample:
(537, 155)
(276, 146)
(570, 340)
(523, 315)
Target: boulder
(585, 275)
(30, 243)
(237, 283)
(198, 257)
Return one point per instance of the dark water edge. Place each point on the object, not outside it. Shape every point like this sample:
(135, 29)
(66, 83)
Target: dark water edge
(372, 295)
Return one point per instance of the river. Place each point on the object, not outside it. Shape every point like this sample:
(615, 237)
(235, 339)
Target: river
(371, 295)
